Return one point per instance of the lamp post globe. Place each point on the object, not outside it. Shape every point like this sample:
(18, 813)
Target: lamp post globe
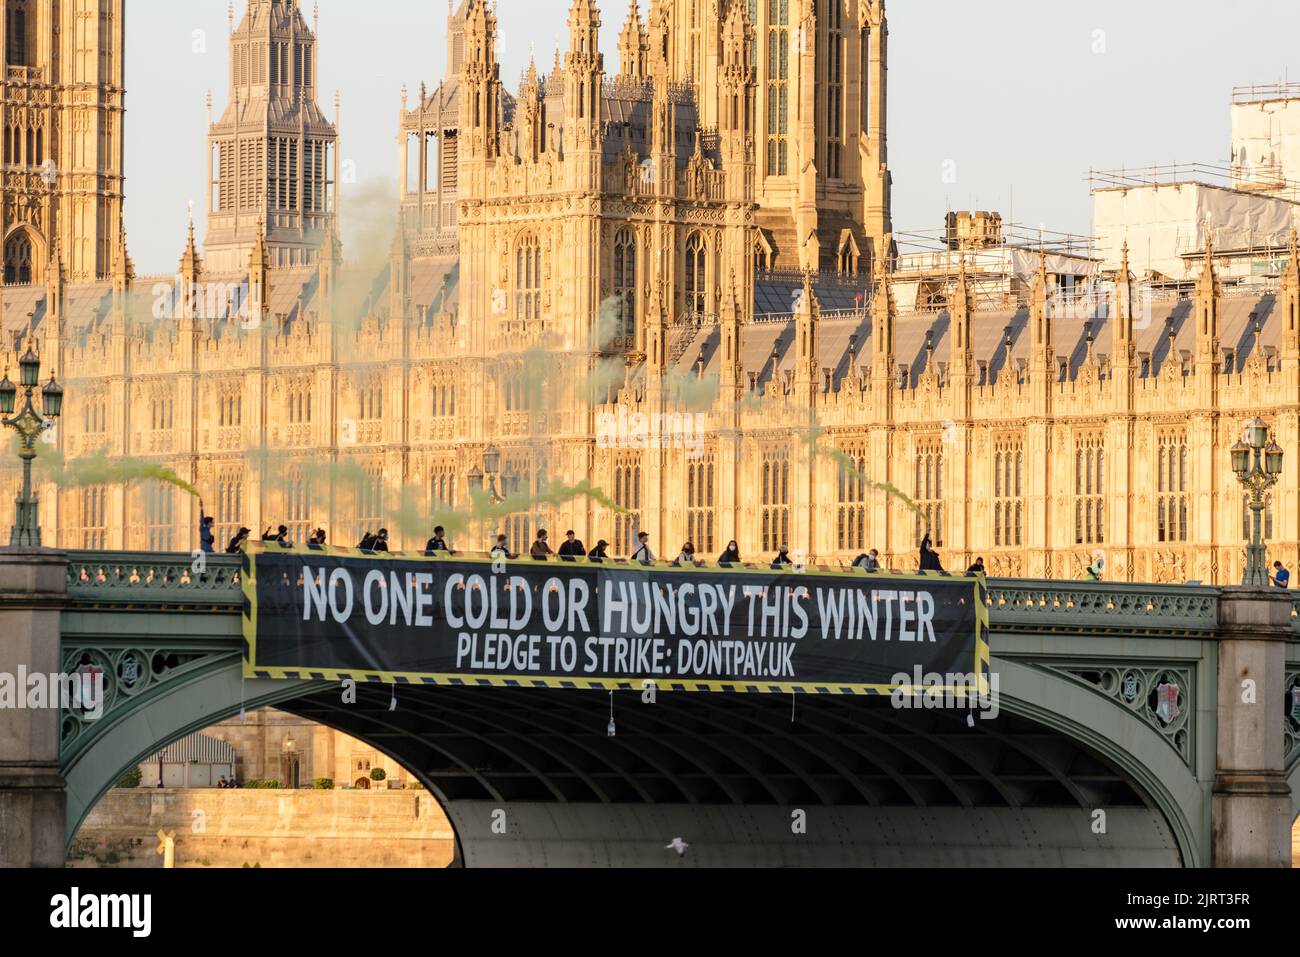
(29, 368)
(8, 395)
(52, 398)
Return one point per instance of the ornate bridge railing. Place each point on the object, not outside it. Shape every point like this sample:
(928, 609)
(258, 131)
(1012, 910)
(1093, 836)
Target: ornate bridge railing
(173, 581)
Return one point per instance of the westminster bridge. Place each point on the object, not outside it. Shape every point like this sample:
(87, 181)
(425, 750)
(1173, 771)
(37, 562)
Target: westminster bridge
(1136, 724)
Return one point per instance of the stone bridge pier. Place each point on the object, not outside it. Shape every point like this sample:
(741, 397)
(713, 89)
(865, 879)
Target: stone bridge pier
(1251, 805)
(1086, 669)
(33, 590)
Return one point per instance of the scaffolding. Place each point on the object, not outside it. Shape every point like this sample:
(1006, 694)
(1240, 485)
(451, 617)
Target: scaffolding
(1216, 175)
(1257, 92)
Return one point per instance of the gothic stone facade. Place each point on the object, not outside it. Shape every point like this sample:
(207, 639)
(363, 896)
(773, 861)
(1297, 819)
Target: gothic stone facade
(675, 241)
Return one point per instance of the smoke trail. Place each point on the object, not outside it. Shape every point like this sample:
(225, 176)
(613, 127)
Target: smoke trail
(849, 467)
(99, 469)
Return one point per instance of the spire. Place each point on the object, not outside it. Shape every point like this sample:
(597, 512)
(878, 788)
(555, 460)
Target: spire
(480, 98)
(584, 66)
(882, 324)
(1207, 307)
(191, 261)
(1042, 354)
(962, 355)
(805, 329)
(633, 44)
(1291, 303)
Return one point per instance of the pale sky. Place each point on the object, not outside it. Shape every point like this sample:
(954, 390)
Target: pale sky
(1005, 95)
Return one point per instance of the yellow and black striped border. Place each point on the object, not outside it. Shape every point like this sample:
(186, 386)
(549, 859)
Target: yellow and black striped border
(415, 679)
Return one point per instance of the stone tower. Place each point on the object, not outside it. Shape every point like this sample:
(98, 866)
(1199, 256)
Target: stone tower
(823, 185)
(61, 107)
(272, 156)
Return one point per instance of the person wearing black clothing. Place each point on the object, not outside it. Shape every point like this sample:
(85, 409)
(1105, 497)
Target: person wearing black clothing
(281, 536)
(317, 540)
(782, 558)
(381, 541)
(571, 547)
(597, 554)
(731, 555)
(437, 543)
(367, 542)
(237, 542)
(206, 537)
(501, 550)
(929, 557)
(976, 568)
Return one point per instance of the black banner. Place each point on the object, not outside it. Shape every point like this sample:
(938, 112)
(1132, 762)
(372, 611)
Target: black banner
(456, 619)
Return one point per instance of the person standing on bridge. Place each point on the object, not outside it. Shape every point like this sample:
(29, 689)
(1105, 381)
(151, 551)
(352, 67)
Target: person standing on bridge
(540, 551)
(1281, 578)
(381, 541)
(501, 549)
(643, 554)
(206, 536)
(730, 555)
(929, 557)
(438, 543)
(868, 561)
(572, 546)
(687, 555)
(782, 557)
(598, 554)
(237, 542)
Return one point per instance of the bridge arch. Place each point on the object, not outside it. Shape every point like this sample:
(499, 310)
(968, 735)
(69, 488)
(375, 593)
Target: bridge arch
(729, 766)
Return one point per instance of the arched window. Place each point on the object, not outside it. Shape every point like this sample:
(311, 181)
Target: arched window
(16, 34)
(625, 288)
(19, 259)
(696, 284)
(528, 279)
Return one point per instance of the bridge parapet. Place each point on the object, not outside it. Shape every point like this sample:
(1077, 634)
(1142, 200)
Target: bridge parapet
(151, 578)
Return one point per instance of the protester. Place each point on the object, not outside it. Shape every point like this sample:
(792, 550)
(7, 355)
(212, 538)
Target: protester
(317, 540)
(730, 555)
(597, 554)
(782, 557)
(237, 542)
(572, 546)
(1095, 569)
(929, 557)
(438, 543)
(977, 567)
(381, 541)
(687, 554)
(868, 561)
(207, 538)
(540, 550)
(500, 550)
(367, 542)
(643, 553)
(1281, 578)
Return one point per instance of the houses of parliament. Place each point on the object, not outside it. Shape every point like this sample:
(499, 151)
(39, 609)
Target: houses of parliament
(693, 228)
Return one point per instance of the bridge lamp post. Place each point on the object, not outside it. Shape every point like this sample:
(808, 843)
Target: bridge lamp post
(1258, 463)
(488, 475)
(29, 424)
